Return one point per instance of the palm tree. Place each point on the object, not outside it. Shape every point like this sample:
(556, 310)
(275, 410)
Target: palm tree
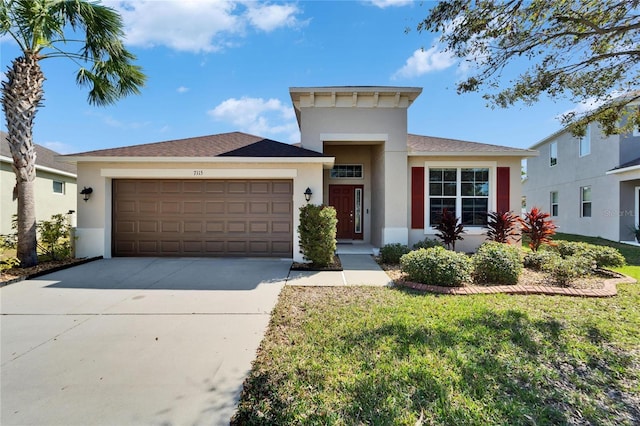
(48, 29)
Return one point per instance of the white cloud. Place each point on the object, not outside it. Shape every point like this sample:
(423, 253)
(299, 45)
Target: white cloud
(425, 61)
(182, 89)
(199, 25)
(268, 17)
(269, 118)
(382, 4)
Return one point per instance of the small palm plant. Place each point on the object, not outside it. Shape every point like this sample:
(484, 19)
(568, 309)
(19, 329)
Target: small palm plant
(449, 230)
(503, 227)
(538, 227)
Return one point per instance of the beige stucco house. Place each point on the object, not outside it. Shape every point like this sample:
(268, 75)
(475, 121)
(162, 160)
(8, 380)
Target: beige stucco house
(236, 194)
(55, 186)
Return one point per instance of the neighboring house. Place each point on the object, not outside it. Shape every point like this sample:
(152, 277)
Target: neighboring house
(590, 185)
(55, 185)
(235, 194)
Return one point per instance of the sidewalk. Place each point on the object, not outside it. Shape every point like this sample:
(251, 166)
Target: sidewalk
(358, 269)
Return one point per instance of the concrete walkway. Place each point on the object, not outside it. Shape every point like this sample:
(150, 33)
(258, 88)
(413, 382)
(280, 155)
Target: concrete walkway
(358, 269)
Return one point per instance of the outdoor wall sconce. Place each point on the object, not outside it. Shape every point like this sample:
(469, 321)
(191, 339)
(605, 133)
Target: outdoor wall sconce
(86, 192)
(308, 194)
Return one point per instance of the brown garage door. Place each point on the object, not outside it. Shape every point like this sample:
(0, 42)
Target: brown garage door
(202, 218)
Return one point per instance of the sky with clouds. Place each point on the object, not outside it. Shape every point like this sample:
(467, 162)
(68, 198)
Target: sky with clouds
(222, 66)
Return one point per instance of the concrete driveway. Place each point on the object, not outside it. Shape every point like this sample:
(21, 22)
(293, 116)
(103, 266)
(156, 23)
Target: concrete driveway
(134, 341)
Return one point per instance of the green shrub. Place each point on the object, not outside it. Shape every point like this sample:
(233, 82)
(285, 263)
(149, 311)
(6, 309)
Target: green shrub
(564, 270)
(427, 243)
(318, 233)
(496, 263)
(391, 253)
(9, 263)
(603, 256)
(54, 237)
(437, 266)
(537, 259)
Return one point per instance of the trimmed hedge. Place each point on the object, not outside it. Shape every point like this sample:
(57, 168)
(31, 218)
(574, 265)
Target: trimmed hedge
(318, 233)
(564, 270)
(537, 259)
(427, 243)
(391, 253)
(496, 263)
(437, 266)
(603, 256)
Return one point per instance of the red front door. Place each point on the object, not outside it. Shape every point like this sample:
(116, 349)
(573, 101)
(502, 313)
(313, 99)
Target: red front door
(347, 200)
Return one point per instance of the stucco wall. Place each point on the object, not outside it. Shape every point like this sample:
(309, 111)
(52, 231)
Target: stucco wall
(48, 203)
(474, 235)
(570, 174)
(369, 125)
(94, 216)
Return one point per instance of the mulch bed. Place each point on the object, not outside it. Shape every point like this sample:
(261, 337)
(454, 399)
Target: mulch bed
(18, 274)
(336, 265)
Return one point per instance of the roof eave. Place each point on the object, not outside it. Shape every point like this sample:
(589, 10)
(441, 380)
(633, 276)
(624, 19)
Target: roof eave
(213, 160)
(623, 170)
(527, 153)
(42, 168)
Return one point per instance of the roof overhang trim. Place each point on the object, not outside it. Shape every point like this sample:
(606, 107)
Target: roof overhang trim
(325, 161)
(474, 154)
(42, 168)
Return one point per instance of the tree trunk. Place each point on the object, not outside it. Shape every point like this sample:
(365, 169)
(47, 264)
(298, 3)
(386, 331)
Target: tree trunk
(21, 97)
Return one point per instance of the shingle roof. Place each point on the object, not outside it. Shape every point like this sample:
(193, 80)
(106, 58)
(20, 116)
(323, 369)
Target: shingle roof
(631, 163)
(234, 144)
(44, 156)
(417, 143)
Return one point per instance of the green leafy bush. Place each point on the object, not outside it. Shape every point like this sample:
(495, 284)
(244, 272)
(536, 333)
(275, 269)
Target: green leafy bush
(9, 263)
(437, 266)
(54, 237)
(317, 231)
(564, 270)
(537, 259)
(391, 253)
(427, 243)
(603, 256)
(496, 263)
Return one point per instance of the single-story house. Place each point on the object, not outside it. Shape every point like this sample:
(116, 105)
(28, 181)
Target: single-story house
(55, 186)
(236, 194)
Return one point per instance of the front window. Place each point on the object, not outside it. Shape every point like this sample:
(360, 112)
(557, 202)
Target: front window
(585, 201)
(58, 187)
(553, 153)
(554, 203)
(585, 143)
(462, 191)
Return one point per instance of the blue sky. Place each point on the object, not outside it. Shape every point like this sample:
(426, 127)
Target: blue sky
(217, 67)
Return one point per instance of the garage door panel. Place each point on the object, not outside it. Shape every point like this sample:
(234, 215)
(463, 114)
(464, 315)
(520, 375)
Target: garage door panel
(147, 226)
(170, 207)
(202, 218)
(171, 187)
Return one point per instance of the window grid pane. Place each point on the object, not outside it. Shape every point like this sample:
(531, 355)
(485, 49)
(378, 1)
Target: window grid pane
(554, 203)
(346, 171)
(470, 194)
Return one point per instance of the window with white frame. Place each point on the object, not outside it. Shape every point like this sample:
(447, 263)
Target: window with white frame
(347, 171)
(58, 187)
(553, 153)
(462, 191)
(554, 203)
(585, 142)
(585, 201)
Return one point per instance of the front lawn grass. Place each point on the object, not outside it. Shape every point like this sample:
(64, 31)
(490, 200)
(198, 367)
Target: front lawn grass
(382, 356)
